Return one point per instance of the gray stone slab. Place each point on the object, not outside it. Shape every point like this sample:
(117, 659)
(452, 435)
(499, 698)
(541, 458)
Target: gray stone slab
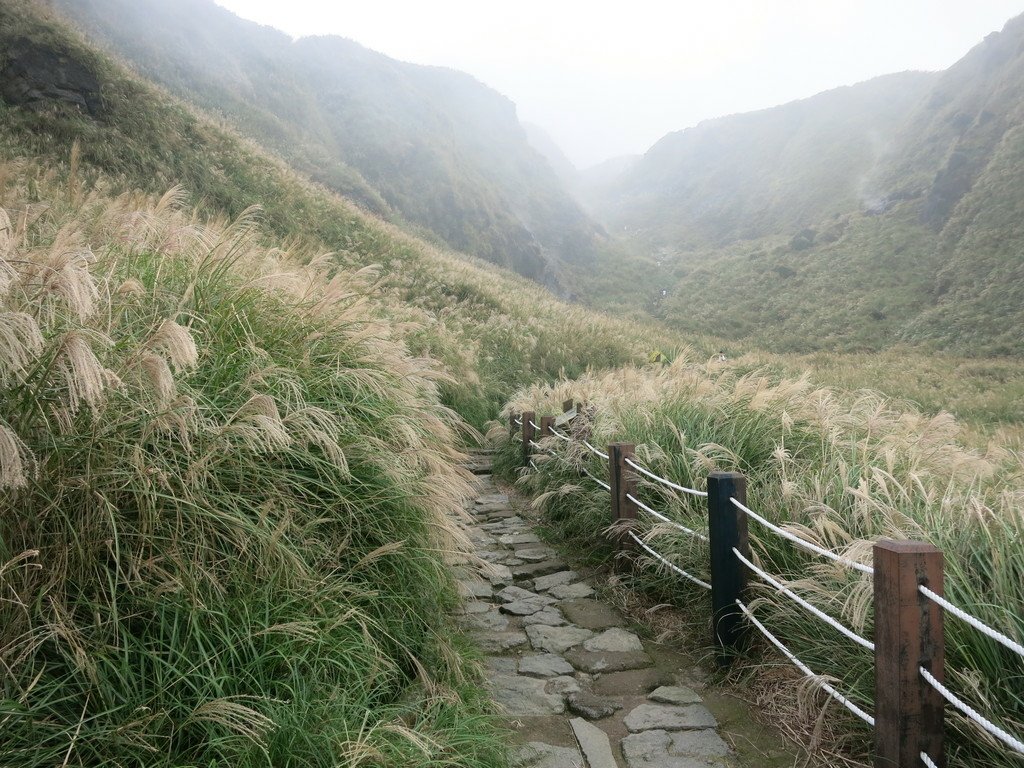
(525, 607)
(634, 682)
(511, 539)
(518, 695)
(562, 685)
(495, 642)
(556, 639)
(509, 594)
(675, 694)
(474, 606)
(475, 588)
(615, 639)
(594, 744)
(590, 705)
(550, 616)
(491, 621)
(592, 614)
(533, 570)
(536, 754)
(607, 661)
(545, 582)
(503, 664)
(498, 574)
(571, 591)
(668, 717)
(544, 665)
(681, 749)
(536, 554)
(491, 498)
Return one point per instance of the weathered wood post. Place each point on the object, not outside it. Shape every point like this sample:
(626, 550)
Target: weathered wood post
(567, 405)
(727, 528)
(623, 481)
(908, 635)
(547, 425)
(528, 434)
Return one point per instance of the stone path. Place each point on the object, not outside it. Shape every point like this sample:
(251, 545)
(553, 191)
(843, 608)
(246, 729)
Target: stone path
(578, 686)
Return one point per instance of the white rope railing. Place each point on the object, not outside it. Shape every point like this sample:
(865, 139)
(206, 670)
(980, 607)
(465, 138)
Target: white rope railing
(560, 436)
(663, 559)
(805, 544)
(519, 422)
(533, 425)
(596, 479)
(928, 762)
(832, 622)
(668, 521)
(807, 670)
(536, 445)
(663, 481)
(974, 621)
(986, 725)
(595, 451)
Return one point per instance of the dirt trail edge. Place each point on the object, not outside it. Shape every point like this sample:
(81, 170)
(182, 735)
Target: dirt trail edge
(578, 687)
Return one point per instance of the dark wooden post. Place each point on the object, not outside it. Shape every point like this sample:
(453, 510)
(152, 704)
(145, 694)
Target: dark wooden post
(547, 424)
(567, 405)
(908, 634)
(623, 481)
(528, 435)
(727, 528)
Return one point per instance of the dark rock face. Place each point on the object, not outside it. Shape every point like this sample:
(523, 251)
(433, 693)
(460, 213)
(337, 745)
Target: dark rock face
(34, 76)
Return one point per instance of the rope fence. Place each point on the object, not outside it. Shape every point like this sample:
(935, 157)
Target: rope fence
(665, 482)
(658, 516)
(665, 560)
(869, 719)
(908, 644)
(803, 543)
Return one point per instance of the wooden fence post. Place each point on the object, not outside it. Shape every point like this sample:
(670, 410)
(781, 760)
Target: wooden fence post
(528, 435)
(908, 634)
(727, 528)
(622, 481)
(547, 425)
(567, 405)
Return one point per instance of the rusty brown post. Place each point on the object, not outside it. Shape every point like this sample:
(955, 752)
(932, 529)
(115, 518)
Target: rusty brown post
(567, 405)
(623, 481)
(547, 425)
(529, 417)
(909, 713)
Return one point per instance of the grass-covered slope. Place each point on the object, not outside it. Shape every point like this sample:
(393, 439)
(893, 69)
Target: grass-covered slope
(226, 495)
(429, 145)
(456, 308)
(762, 173)
(838, 469)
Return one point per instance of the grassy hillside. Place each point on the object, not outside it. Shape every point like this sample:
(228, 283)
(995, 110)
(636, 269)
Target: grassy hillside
(459, 309)
(211, 460)
(885, 213)
(839, 469)
(761, 173)
(425, 145)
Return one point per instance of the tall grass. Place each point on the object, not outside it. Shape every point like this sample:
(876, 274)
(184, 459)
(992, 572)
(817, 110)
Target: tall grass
(228, 492)
(842, 469)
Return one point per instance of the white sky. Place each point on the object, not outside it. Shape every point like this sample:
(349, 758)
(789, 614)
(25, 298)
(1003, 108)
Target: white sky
(606, 79)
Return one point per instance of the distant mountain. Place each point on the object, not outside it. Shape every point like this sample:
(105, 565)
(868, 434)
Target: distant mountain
(886, 212)
(428, 146)
(548, 148)
(760, 173)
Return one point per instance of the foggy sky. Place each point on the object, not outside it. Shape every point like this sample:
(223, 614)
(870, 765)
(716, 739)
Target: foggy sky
(606, 79)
